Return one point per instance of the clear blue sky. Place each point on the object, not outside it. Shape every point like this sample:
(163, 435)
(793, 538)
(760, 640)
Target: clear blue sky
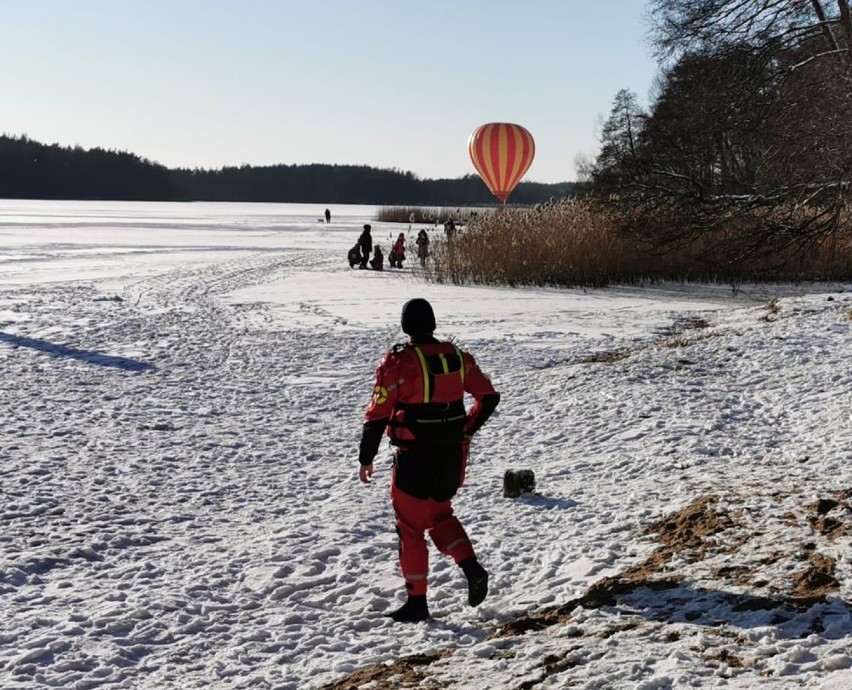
(388, 83)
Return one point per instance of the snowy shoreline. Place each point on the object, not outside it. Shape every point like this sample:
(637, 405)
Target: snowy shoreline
(182, 395)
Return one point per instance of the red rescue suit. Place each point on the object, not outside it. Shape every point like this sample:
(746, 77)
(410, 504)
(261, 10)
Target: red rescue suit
(418, 400)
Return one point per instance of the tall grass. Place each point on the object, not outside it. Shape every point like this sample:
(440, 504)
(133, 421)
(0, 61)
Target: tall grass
(419, 214)
(578, 243)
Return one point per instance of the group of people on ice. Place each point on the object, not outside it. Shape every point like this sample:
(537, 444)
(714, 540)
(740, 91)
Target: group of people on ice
(360, 254)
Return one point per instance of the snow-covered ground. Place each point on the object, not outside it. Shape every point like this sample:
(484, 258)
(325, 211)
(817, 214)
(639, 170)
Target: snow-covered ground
(180, 409)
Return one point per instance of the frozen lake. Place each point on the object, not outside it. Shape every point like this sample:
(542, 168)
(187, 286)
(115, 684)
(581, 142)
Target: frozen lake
(182, 393)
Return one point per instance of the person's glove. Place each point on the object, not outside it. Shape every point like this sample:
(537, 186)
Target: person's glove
(366, 473)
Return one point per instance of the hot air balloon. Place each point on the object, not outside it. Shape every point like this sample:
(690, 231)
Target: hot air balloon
(501, 153)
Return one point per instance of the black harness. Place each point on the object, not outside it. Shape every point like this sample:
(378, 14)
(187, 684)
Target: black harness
(436, 423)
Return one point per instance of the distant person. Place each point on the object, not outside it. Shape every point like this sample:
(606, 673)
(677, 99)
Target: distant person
(450, 229)
(418, 400)
(327, 216)
(472, 218)
(365, 241)
(422, 243)
(354, 256)
(377, 263)
(397, 255)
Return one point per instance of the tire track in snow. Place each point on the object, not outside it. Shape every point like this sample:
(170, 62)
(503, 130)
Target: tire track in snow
(175, 471)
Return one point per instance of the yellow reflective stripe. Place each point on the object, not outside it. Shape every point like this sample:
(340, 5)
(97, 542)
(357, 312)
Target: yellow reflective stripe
(427, 394)
(444, 364)
(461, 362)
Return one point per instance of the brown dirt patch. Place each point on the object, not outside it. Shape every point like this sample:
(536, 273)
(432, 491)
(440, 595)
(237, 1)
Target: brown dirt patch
(831, 516)
(740, 574)
(691, 529)
(844, 496)
(817, 581)
(609, 632)
(402, 673)
(605, 357)
(678, 334)
(551, 665)
(694, 323)
(723, 656)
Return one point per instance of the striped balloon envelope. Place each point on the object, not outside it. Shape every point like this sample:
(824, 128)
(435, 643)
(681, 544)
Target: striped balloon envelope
(501, 153)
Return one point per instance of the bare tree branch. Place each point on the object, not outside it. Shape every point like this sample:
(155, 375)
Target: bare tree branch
(845, 18)
(826, 29)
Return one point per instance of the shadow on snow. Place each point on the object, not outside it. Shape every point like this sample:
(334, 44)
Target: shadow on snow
(88, 356)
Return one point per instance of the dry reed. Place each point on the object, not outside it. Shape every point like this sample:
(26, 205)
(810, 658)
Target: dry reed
(578, 243)
(418, 214)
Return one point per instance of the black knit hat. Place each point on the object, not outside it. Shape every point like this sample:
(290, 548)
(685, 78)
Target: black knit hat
(418, 317)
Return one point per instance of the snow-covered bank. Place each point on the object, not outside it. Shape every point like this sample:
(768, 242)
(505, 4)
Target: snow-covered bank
(182, 390)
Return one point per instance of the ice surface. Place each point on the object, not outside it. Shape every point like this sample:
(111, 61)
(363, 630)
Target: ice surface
(182, 394)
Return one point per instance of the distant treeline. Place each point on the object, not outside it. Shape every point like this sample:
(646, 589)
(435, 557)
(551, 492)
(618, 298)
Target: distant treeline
(32, 170)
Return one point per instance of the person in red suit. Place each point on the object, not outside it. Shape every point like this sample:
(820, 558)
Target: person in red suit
(418, 401)
(397, 255)
(377, 263)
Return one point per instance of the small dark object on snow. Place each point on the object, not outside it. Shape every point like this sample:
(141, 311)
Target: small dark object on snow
(517, 482)
(158, 426)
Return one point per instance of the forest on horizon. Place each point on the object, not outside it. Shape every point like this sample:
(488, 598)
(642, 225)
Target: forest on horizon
(33, 170)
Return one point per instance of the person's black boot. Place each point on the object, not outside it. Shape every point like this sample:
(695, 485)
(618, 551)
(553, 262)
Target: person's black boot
(414, 610)
(477, 581)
